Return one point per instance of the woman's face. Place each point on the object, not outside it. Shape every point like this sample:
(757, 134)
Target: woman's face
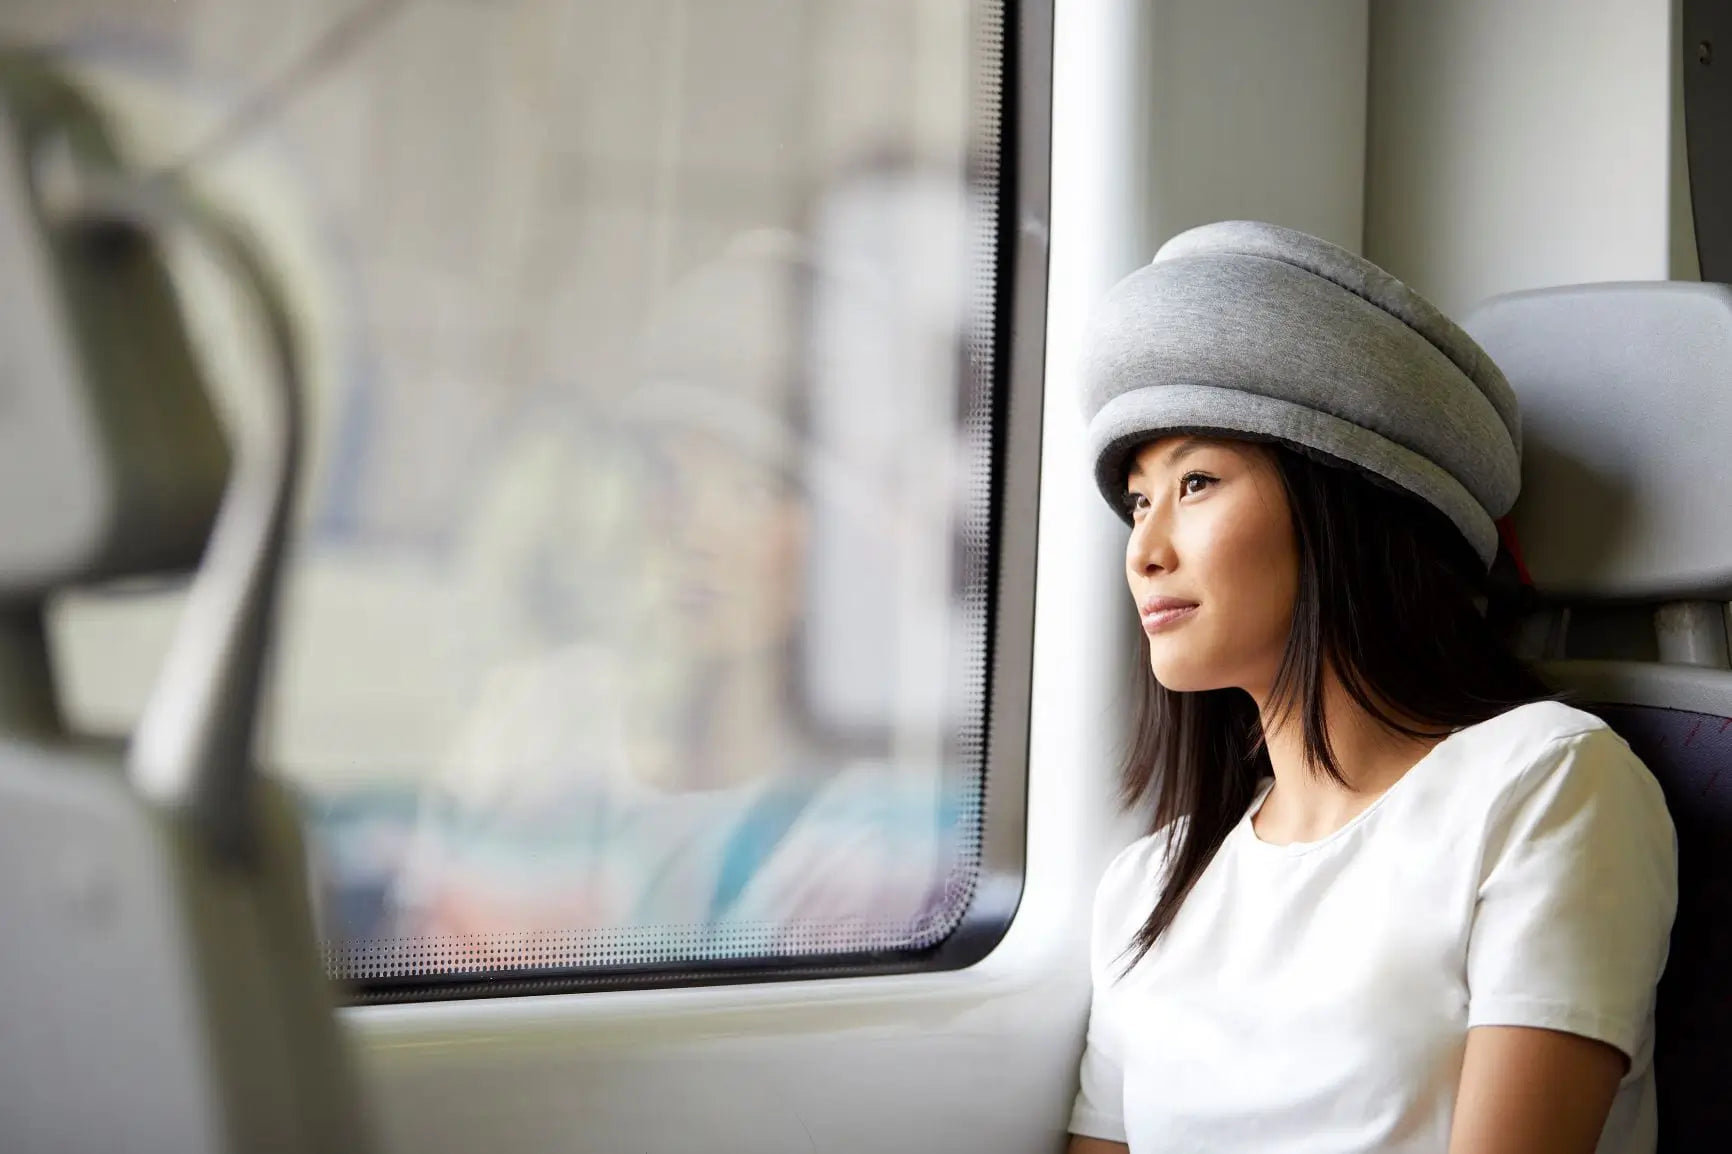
(725, 541)
(1212, 563)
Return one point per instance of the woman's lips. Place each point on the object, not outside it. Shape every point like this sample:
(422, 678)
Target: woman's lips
(1160, 613)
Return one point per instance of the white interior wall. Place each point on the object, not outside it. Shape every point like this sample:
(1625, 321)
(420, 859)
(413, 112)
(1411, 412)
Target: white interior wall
(1512, 146)
(1258, 113)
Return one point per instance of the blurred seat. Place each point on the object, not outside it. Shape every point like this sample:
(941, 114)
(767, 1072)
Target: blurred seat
(161, 987)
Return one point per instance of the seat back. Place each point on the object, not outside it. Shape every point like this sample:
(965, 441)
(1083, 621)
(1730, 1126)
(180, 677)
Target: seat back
(161, 988)
(1694, 1021)
(1626, 393)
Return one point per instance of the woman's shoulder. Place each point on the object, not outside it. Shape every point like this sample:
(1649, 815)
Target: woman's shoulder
(1497, 752)
(1131, 883)
(1535, 726)
(1550, 749)
(1142, 860)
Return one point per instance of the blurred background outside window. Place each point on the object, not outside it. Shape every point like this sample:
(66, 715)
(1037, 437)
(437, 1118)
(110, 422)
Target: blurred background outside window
(639, 611)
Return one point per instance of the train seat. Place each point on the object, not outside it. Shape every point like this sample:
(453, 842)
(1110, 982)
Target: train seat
(1626, 529)
(161, 988)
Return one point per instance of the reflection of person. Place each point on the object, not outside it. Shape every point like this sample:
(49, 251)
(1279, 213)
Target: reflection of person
(1395, 899)
(717, 547)
(663, 776)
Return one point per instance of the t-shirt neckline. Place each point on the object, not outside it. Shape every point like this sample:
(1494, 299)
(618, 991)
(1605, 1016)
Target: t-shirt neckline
(1301, 848)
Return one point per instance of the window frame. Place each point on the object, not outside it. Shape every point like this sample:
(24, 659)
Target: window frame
(1018, 393)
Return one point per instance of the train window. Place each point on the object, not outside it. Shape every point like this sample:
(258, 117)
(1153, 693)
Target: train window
(644, 616)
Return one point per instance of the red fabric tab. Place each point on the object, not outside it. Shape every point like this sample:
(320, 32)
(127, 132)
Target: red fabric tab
(1507, 534)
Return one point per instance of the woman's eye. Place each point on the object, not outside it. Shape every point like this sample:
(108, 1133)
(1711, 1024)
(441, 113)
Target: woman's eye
(1135, 503)
(1193, 483)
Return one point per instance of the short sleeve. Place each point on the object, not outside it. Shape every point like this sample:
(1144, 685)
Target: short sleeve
(1100, 1101)
(1578, 887)
(1124, 898)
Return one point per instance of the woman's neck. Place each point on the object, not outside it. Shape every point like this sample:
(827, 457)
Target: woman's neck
(1306, 804)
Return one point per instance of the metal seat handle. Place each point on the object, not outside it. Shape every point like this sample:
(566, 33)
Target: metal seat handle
(192, 751)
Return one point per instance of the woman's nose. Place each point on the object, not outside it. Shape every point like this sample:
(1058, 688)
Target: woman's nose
(1151, 545)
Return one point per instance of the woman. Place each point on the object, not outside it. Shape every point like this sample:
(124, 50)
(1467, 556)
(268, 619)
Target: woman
(1396, 898)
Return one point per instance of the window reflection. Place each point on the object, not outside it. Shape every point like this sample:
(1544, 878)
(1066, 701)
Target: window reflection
(664, 771)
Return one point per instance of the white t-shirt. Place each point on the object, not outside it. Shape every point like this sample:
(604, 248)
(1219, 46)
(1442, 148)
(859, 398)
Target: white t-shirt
(1317, 996)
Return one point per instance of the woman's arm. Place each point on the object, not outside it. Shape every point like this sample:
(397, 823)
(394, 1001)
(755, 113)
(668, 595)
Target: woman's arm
(1080, 1145)
(1531, 1091)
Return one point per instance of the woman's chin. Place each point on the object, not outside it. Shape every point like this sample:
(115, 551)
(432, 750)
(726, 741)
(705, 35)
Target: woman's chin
(1187, 676)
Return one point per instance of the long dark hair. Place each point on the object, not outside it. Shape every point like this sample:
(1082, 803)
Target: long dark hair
(1391, 599)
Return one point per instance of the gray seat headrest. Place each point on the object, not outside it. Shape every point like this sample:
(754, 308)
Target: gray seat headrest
(1626, 395)
(112, 457)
